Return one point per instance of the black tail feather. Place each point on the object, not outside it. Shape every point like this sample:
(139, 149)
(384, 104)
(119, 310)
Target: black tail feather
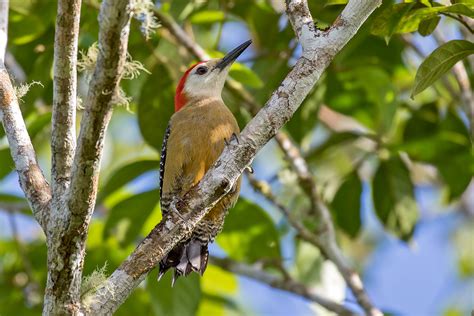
(186, 257)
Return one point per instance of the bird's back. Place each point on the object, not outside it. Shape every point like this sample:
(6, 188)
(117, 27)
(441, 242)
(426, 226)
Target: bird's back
(197, 135)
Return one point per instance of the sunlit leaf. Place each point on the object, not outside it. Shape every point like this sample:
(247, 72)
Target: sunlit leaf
(388, 20)
(409, 21)
(245, 75)
(39, 123)
(127, 217)
(439, 62)
(180, 300)
(308, 262)
(217, 286)
(125, 174)
(156, 106)
(207, 17)
(249, 233)
(335, 2)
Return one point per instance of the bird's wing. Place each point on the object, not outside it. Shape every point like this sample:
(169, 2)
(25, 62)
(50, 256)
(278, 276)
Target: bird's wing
(163, 161)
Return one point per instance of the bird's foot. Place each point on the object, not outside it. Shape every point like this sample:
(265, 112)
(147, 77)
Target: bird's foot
(180, 216)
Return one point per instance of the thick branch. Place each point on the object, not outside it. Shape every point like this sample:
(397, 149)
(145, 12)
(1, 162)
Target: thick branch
(236, 157)
(288, 285)
(31, 178)
(63, 138)
(69, 230)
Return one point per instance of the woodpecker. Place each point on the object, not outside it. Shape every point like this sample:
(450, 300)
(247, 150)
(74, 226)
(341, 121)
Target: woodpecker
(195, 137)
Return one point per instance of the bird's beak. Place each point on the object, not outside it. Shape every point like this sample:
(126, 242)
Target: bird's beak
(232, 55)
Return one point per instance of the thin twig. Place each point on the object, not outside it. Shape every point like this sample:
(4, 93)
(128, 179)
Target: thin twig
(462, 78)
(324, 237)
(460, 20)
(288, 285)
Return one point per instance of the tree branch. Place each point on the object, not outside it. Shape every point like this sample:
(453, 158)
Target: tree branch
(460, 19)
(324, 239)
(63, 136)
(288, 285)
(32, 181)
(317, 54)
(66, 245)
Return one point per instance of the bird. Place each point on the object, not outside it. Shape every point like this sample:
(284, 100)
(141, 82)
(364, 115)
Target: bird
(196, 135)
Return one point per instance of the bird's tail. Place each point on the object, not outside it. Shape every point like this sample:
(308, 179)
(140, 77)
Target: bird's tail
(186, 257)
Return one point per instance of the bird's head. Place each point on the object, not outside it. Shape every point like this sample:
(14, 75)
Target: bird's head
(206, 79)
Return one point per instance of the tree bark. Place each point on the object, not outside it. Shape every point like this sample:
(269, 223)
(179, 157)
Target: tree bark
(66, 243)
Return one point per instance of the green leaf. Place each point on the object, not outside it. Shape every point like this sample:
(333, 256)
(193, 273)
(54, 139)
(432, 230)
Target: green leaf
(427, 27)
(245, 75)
(127, 217)
(208, 17)
(19, 203)
(304, 119)
(29, 20)
(364, 92)
(217, 286)
(443, 142)
(249, 233)
(393, 197)
(6, 162)
(155, 106)
(308, 262)
(335, 2)
(466, 9)
(346, 205)
(457, 172)
(409, 21)
(439, 62)
(334, 140)
(181, 300)
(386, 23)
(38, 124)
(125, 174)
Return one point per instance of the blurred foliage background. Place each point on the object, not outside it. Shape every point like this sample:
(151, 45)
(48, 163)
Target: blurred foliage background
(391, 152)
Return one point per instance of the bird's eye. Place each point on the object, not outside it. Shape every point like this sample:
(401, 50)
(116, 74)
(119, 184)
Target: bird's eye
(201, 70)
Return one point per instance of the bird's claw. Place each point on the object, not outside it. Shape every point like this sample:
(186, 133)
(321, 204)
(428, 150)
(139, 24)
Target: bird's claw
(233, 138)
